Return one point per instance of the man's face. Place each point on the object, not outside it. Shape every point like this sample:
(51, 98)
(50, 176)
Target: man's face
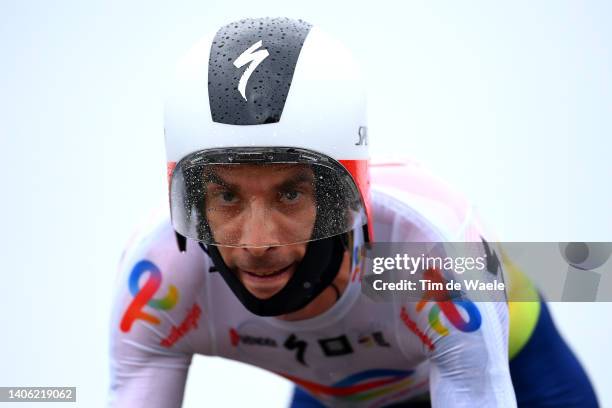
(259, 210)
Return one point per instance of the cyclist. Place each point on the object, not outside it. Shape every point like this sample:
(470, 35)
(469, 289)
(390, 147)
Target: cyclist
(273, 203)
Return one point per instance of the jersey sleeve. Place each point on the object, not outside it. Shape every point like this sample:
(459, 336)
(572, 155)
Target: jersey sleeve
(158, 322)
(464, 339)
(471, 368)
(464, 335)
(466, 345)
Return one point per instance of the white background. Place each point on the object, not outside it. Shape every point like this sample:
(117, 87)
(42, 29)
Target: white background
(511, 103)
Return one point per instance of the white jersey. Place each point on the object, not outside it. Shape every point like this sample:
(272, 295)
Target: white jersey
(170, 306)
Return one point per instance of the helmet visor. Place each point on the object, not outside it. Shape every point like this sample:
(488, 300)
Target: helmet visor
(259, 197)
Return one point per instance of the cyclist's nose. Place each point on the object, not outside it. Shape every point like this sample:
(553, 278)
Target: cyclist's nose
(259, 232)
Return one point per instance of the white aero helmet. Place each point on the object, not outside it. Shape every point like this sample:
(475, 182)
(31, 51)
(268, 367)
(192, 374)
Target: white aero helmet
(275, 94)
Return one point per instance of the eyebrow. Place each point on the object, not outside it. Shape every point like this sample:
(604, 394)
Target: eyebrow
(210, 176)
(301, 177)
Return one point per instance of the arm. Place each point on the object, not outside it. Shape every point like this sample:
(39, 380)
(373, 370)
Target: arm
(471, 368)
(466, 345)
(158, 323)
(143, 376)
(465, 342)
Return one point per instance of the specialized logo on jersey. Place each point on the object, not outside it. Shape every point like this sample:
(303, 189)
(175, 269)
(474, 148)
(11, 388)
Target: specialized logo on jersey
(253, 57)
(449, 308)
(144, 295)
(293, 343)
(189, 322)
(362, 386)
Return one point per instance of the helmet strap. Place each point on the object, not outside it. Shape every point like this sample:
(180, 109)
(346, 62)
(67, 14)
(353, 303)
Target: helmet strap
(316, 271)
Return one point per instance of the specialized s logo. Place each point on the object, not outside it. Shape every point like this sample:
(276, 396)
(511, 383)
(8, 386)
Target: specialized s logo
(293, 343)
(144, 295)
(255, 57)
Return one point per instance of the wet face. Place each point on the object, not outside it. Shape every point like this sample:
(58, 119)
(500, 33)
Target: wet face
(261, 216)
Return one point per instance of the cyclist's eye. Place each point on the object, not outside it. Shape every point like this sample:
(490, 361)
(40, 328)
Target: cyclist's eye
(228, 196)
(290, 196)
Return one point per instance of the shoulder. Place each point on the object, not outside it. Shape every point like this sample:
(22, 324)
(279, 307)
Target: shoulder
(412, 205)
(159, 298)
(405, 192)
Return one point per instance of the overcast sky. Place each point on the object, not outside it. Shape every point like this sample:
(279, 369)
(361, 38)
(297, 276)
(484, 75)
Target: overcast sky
(511, 103)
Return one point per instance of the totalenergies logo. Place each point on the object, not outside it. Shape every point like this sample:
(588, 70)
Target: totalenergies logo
(449, 308)
(144, 295)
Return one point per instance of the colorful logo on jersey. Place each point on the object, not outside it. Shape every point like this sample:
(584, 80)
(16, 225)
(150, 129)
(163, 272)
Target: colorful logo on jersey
(144, 295)
(449, 308)
(451, 312)
(189, 322)
(356, 261)
(360, 387)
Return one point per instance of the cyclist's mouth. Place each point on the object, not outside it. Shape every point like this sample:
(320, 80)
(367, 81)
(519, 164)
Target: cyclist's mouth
(266, 275)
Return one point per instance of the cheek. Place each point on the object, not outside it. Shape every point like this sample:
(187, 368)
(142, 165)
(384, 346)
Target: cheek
(228, 255)
(299, 251)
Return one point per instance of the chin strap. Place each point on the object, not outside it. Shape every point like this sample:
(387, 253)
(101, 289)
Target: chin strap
(333, 285)
(181, 242)
(316, 271)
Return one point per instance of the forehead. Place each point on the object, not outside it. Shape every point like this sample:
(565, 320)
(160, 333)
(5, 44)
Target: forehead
(262, 173)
